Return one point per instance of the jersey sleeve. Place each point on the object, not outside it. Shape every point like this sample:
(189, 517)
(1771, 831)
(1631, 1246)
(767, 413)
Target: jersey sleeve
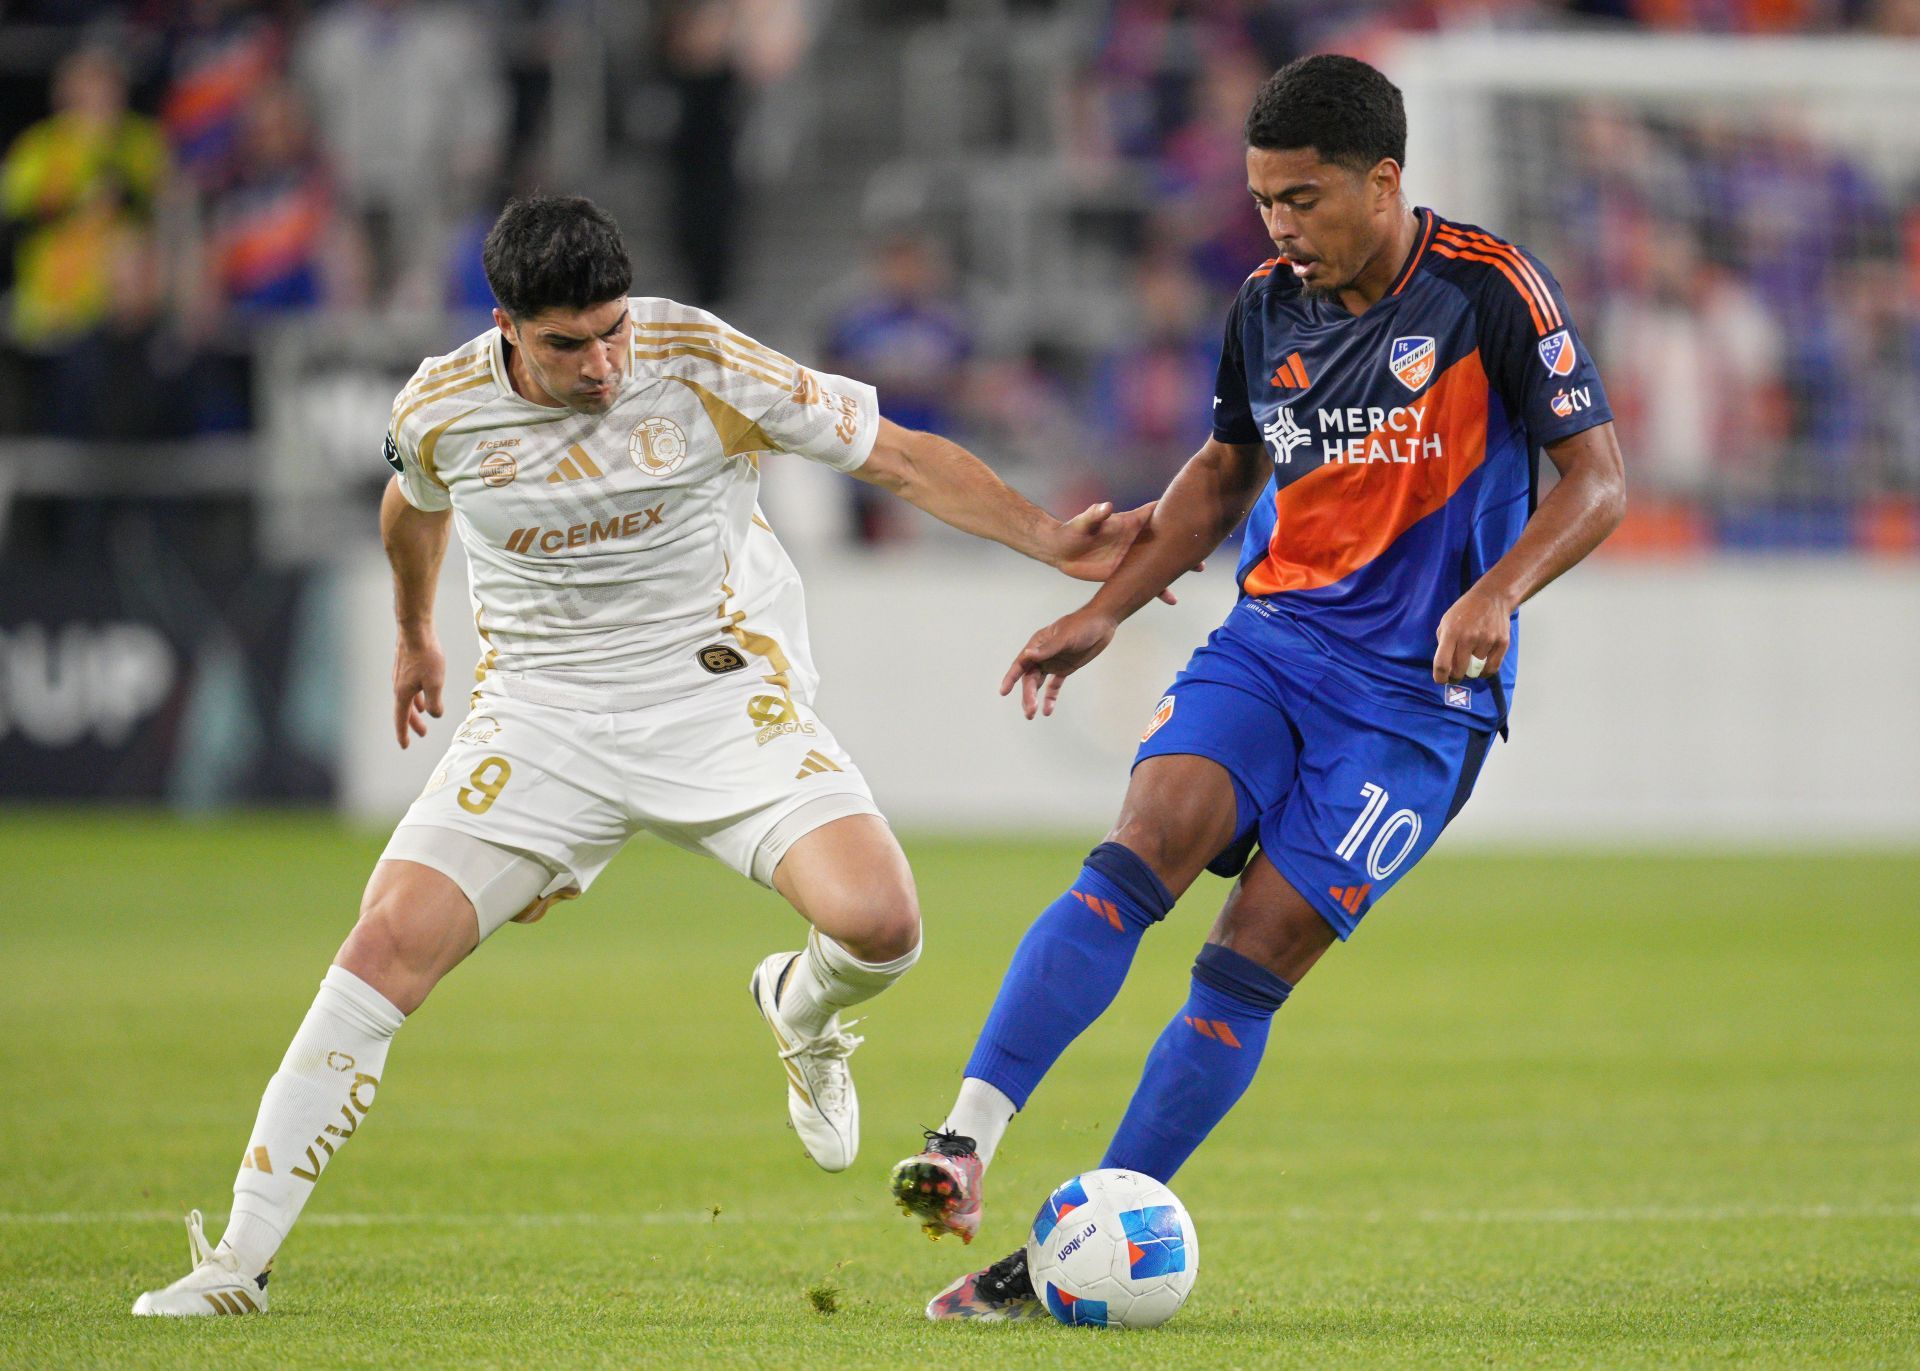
(829, 419)
(759, 399)
(1233, 420)
(421, 490)
(1537, 361)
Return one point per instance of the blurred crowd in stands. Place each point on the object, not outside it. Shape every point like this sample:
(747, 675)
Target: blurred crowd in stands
(206, 167)
(178, 176)
(1752, 292)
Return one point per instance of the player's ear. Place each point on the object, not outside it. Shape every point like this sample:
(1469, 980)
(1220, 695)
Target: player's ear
(1385, 179)
(504, 322)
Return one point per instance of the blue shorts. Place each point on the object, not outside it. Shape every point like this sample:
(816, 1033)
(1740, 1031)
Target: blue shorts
(1342, 793)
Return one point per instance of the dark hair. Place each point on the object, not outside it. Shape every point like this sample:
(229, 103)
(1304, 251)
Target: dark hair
(1343, 109)
(555, 252)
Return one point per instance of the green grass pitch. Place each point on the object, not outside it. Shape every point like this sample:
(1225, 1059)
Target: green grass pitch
(1544, 1110)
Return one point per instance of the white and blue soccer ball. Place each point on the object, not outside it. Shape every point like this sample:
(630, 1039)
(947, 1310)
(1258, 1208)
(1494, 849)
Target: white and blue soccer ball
(1113, 1249)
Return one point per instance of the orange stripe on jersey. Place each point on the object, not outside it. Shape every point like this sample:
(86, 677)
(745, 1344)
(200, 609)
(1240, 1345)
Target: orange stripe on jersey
(1336, 519)
(1447, 250)
(1515, 268)
(1487, 242)
(1419, 251)
(1266, 268)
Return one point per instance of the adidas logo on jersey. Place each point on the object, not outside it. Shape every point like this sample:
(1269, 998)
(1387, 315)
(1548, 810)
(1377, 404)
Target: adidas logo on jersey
(530, 540)
(1290, 374)
(575, 466)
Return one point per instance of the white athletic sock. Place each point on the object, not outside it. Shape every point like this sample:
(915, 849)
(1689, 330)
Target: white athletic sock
(313, 1104)
(981, 1112)
(828, 978)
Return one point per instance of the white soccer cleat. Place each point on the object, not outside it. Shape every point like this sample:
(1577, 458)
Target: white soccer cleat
(212, 1287)
(821, 1103)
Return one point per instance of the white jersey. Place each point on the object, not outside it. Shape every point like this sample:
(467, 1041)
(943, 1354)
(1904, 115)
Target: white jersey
(618, 560)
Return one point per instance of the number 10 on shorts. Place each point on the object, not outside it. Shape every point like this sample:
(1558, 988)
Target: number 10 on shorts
(1395, 839)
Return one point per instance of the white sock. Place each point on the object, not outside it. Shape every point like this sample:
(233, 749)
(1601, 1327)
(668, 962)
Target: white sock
(981, 1112)
(827, 978)
(313, 1104)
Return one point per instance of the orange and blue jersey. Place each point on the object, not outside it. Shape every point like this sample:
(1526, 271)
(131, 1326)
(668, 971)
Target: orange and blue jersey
(1405, 447)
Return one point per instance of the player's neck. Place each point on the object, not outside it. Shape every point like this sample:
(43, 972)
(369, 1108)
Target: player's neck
(1385, 266)
(522, 380)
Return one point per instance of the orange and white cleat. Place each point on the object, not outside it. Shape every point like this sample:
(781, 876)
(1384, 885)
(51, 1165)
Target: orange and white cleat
(941, 1186)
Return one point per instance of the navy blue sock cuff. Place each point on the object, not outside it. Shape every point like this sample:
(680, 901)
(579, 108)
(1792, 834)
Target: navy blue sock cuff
(1134, 877)
(1224, 970)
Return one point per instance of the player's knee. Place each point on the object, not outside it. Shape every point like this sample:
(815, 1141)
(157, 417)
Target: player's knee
(885, 929)
(1163, 852)
(406, 938)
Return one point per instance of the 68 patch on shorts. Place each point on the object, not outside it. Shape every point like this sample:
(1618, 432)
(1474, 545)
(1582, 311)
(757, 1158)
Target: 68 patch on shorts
(738, 771)
(1342, 793)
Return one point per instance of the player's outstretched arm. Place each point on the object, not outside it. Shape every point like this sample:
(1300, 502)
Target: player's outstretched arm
(957, 488)
(1209, 496)
(1574, 518)
(416, 542)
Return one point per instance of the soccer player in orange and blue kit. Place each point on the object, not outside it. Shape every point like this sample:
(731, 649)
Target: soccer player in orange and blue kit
(1386, 385)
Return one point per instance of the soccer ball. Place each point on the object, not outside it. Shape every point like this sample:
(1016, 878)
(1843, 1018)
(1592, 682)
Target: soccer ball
(1114, 1249)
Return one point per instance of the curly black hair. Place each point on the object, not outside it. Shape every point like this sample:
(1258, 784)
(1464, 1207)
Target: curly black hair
(1343, 109)
(555, 252)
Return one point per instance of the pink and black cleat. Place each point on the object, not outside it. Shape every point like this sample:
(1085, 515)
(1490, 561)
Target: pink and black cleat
(941, 1186)
(1003, 1293)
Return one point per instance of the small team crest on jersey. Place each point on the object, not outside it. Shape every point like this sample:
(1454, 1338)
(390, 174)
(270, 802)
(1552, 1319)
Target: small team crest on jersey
(480, 728)
(657, 445)
(1459, 697)
(1411, 361)
(1556, 351)
(1162, 713)
(498, 469)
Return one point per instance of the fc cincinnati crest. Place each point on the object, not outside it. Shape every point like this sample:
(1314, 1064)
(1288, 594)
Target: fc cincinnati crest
(657, 445)
(1557, 352)
(1411, 361)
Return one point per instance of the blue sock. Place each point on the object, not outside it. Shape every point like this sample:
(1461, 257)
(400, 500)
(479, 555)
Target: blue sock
(1202, 1064)
(1067, 969)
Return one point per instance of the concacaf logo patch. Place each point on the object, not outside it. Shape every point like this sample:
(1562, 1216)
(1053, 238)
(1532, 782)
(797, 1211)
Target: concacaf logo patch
(1411, 361)
(1556, 352)
(1161, 713)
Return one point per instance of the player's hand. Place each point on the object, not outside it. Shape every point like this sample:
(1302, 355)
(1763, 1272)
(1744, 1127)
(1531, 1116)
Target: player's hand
(1480, 625)
(1055, 653)
(1091, 545)
(419, 671)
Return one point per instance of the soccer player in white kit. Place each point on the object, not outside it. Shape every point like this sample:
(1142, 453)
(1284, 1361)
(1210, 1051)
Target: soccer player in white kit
(645, 667)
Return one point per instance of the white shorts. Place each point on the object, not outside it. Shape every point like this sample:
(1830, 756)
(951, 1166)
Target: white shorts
(739, 772)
